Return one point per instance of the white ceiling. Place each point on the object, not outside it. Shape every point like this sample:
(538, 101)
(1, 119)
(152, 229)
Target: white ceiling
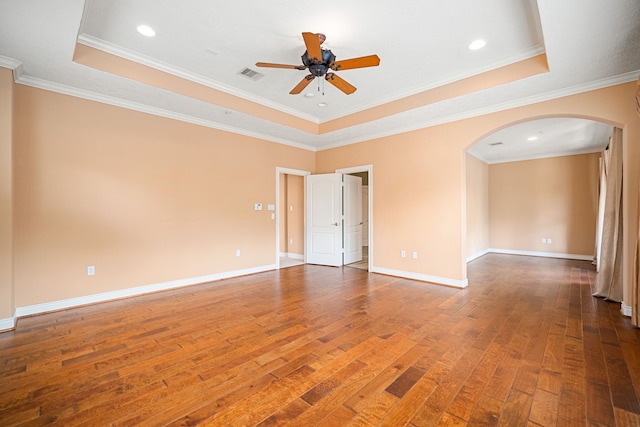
(422, 45)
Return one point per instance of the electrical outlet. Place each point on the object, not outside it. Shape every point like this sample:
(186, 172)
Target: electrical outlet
(91, 270)
(403, 254)
(549, 241)
(237, 252)
(415, 255)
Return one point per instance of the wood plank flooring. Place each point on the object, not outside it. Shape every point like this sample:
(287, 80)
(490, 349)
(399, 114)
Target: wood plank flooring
(525, 344)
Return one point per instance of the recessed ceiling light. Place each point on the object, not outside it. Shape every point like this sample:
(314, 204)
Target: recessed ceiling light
(532, 138)
(146, 30)
(309, 95)
(477, 44)
(322, 104)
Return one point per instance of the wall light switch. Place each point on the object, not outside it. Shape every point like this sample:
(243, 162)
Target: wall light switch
(271, 207)
(273, 216)
(544, 240)
(237, 252)
(91, 270)
(415, 255)
(549, 241)
(403, 254)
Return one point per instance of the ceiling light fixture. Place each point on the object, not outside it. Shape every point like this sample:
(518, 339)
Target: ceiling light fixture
(322, 104)
(146, 30)
(477, 44)
(532, 138)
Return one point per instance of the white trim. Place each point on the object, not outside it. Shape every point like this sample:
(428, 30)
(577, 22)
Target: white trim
(94, 96)
(477, 255)
(438, 83)
(135, 291)
(112, 49)
(118, 102)
(521, 102)
(423, 277)
(542, 254)
(7, 324)
(626, 310)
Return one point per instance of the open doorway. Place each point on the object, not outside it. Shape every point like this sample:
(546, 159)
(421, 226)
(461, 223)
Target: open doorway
(290, 217)
(366, 174)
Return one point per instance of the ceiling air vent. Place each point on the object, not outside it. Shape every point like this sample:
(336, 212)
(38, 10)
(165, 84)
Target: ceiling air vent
(493, 144)
(251, 74)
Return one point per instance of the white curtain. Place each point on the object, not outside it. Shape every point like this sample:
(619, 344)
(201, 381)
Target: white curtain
(609, 283)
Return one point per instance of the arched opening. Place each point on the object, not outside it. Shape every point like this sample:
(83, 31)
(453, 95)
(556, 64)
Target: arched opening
(532, 188)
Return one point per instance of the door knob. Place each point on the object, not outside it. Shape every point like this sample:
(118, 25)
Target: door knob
(335, 224)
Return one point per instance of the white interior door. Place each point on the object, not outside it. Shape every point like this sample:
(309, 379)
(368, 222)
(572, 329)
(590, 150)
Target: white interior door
(352, 218)
(323, 219)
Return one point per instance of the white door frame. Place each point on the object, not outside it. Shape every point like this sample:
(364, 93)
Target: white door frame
(287, 171)
(369, 170)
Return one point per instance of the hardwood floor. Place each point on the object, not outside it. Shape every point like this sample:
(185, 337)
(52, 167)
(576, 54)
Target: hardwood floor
(524, 345)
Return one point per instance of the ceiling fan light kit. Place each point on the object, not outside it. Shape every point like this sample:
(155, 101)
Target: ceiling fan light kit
(319, 61)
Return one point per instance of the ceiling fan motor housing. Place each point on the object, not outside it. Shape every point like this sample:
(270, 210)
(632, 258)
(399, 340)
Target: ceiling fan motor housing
(317, 68)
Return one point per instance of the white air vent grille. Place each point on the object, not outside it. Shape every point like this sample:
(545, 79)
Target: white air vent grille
(251, 74)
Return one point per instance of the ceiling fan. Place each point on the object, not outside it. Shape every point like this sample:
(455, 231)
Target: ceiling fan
(319, 61)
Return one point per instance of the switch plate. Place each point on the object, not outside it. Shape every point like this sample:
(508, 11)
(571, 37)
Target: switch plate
(237, 252)
(273, 216)
(415, 255)
(549, 241)
(271, 207)
(403, 254)
(544, 241)
(91, 270)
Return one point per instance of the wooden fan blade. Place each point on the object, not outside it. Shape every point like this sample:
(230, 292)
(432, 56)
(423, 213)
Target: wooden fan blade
(361, 62)
(270, 65)
(340, 83)
(304, 83)
(312, 42)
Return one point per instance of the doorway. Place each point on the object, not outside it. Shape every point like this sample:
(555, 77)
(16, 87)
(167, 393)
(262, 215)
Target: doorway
(289, 217)
(282, 248)
(365, 172)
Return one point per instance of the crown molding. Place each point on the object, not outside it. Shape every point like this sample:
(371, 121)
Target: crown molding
(118, 102)
(450, 78)
(548, 96)
(130, 55)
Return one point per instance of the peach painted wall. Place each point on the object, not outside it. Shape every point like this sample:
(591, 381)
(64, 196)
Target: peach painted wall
(477, 198)
(419, 179)
(295, 214)
(143, 198)
(125, 191)
(554, 198)
(6, 193)
(417, 199)
(292, 221)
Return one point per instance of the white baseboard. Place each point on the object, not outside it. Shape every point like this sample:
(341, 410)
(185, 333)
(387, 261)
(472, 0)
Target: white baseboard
(7, 324)
(130, 292)
(478, 255)
(422, 277)
(541, 254)
(626, 310)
